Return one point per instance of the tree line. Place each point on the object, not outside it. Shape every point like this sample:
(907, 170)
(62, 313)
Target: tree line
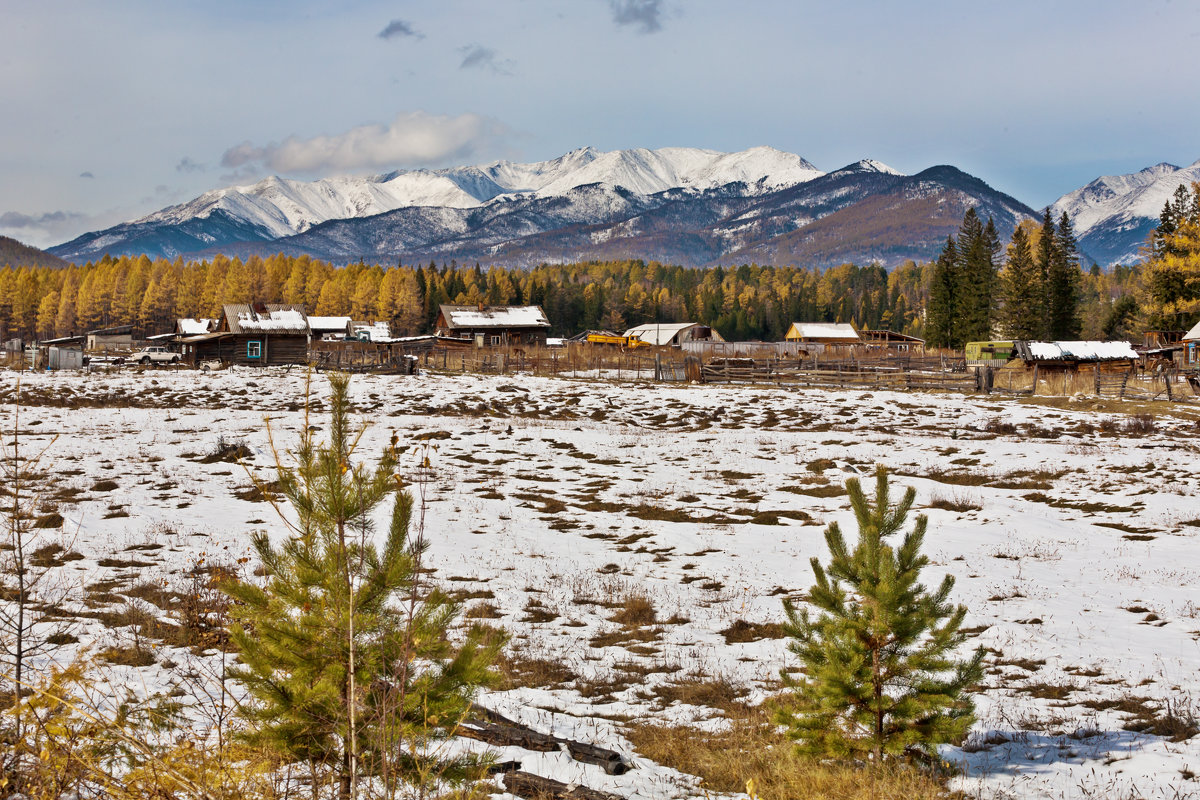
(977, 289)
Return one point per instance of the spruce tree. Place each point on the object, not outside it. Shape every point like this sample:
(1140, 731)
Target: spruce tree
(880, 674)
(344, 653)
(1022, 316)
(1063, 280)
(941, 311)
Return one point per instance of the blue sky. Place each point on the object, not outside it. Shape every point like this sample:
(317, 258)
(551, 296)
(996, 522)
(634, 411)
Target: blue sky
(111, 111)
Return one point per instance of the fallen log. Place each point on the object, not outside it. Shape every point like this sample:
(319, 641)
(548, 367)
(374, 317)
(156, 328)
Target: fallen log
(497, 730)
(535, 787)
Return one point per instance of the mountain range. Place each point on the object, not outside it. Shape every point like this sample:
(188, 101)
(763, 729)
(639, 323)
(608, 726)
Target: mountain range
(678, 205)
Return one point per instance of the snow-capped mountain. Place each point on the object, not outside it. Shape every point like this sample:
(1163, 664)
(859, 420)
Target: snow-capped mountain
(1114, 213)
(277, 207)
(681, 205)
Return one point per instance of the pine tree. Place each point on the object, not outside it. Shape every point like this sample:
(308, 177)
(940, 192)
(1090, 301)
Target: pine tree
(880, 675)
(343, 650)
(1062, 284)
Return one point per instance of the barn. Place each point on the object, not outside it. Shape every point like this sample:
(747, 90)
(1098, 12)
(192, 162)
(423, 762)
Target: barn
(256, 335)
(674, 334)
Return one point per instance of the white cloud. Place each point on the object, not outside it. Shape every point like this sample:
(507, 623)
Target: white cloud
(412, 139)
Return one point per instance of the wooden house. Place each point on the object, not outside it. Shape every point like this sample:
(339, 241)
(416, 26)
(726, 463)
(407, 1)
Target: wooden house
(674, 334)
(1191, 347)
(257, 335)
(329, 327)
(494, 326)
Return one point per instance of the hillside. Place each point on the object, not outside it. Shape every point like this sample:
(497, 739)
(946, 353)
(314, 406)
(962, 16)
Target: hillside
(16, 254)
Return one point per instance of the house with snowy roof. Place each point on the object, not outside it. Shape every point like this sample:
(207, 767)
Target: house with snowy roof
(253, 334)
(494, 326)
(1191, 347)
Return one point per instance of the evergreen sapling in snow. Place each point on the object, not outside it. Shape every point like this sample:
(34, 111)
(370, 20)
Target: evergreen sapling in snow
(880, 672)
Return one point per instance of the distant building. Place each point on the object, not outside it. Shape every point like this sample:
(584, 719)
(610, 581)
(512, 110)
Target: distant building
(674, 334)
(494, 326)
(119, 337)
(1071, 354)
(256, 334)
(329, 327)
(893, 341)
(827, 333)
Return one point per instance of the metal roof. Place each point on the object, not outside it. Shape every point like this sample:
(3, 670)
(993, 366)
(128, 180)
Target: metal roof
(1193, 335)
(661, 333)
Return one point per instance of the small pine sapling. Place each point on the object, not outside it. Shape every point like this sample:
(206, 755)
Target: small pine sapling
(345, 651)
(880, 673)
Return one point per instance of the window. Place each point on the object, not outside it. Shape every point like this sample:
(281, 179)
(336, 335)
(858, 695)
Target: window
(495, 341)
(253, 349)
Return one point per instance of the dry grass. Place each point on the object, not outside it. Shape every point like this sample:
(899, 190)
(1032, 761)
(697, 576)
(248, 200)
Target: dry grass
(753, 749)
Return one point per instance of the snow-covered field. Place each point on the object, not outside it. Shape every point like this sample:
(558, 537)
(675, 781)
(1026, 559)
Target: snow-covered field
(1075, 541)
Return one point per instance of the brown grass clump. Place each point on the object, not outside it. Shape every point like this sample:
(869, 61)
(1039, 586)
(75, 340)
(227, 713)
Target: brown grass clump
(742, 631)
(637, 609)
(957, 502)
(752, 748)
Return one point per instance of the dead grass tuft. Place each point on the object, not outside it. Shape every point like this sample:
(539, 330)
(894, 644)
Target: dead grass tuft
(753, 748)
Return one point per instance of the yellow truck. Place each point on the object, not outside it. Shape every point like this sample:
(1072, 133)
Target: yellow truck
(618, 341)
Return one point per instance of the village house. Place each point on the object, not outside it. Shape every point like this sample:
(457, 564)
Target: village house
(1191, 347)
(674, 334)
(253, 335)
(494, 326)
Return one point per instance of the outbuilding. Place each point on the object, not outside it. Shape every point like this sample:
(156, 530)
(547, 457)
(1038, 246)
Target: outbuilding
(494, 326)
(674, 334)
(119, 337)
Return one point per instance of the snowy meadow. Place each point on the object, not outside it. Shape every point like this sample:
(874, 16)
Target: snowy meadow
(637, 542)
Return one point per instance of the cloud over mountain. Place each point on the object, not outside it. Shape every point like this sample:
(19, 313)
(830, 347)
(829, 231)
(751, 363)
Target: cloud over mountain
(413, 138)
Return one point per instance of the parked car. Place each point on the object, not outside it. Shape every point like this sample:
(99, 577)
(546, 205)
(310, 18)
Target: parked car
(154, 355)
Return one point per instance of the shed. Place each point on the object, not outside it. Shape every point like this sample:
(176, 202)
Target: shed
(892, 340)
(831, 333)
(332, 327)
(1072, 354)
(674, 334)
(494, 326)
(254, 335)
(119, 337)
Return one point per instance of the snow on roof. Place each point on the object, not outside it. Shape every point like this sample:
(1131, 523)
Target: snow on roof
(193, 327)
(494, 317)
(328, 323)
(272, 319)
(659, 333)
(1080, 351)
(825, 330)
(1193, 335)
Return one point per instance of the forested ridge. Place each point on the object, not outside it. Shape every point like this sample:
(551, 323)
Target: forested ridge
(977, 289)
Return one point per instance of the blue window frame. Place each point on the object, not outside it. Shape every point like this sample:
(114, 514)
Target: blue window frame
(253, 349)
